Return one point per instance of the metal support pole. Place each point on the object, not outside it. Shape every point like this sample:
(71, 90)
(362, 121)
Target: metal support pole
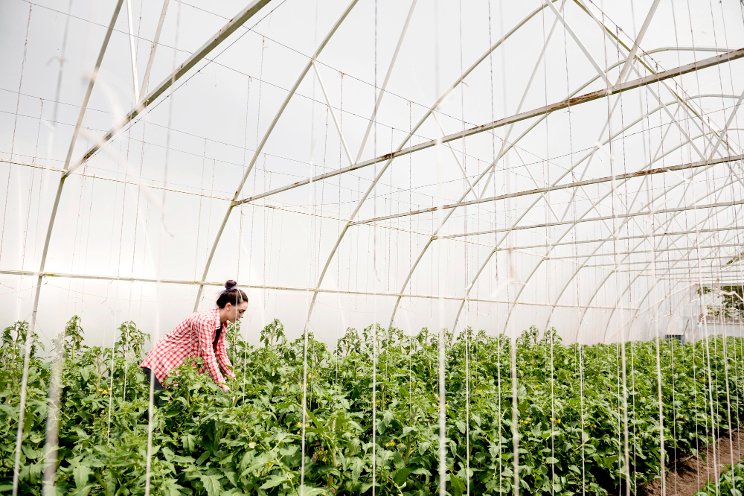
(547, 189)
(546, 109)
(241, 18)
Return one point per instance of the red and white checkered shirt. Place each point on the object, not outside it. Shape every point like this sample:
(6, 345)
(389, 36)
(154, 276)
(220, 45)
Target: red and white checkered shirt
(194, 337)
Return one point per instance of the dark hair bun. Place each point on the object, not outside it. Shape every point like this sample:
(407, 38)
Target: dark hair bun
(231, 294)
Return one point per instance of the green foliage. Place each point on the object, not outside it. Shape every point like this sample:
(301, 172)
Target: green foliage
(273, 334)
(72, 337)
(731, 301)
(14, 341)
(131, 340)
(570, 414)
(731, 483)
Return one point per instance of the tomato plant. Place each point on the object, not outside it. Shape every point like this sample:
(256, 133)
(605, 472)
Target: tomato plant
(587, 416)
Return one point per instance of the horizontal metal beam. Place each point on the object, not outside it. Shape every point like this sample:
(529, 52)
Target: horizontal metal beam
(705, 271)
(660, 251)
(546, 109)
(693, 274)
(558, 187)
(228, 29)
(270, 206)
(717, 268)
(661, 267)
(624, 238)
(392, 228)
(597, 219)
(188, 282)
(157, 187)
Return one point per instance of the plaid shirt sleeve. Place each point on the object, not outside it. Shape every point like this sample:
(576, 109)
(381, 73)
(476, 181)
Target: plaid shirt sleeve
(221, 353)
(205, 336)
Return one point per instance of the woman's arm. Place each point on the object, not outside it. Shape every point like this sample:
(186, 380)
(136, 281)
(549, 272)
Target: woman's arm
(222, 358)
(205, 333)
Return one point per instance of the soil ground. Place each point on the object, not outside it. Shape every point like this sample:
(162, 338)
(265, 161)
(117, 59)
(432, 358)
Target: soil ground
(692, 473)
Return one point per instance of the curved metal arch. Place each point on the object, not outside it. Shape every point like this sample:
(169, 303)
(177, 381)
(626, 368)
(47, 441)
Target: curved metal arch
(638, 310)
(660, 301)
(529, 129)
(567, 283)
(605, 196)
(536, 190)
(712, 248)
(537, 266)
(216, 40)
(607, 277)
(683, 102)
(263, 141)
(630, 283)
(506, 146)
(66, 168)
(669, 73)
(597, 77)
(620, 295)
(577, 270)
(410, 134)
(635, 278)
(714, 150)
(622, 44)
(587, 156)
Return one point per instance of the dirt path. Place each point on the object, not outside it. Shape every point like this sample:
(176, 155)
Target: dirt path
(693, 473)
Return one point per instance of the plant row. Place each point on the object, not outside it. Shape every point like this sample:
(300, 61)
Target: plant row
(596, 419)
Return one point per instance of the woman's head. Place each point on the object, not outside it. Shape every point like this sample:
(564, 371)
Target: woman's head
(232, 302)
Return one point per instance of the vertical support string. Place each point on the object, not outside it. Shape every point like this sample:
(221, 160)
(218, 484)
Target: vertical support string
(579, 347)
(150, 410)
(624, 456)
(374, 259)
(547, 210)
(30, 331)
(314, 255)
(466, 272)
(734, 111)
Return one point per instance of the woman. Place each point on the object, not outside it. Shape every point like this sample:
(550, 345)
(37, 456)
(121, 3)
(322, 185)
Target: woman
(201, 335)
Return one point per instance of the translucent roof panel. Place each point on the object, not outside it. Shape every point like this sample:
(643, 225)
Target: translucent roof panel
(443, 164)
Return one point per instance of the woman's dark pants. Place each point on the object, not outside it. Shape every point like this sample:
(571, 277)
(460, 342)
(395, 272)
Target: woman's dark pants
(157, 387)
(150, 376)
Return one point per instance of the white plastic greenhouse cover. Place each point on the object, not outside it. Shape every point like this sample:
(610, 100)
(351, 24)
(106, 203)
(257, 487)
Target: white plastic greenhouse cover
(574, 164)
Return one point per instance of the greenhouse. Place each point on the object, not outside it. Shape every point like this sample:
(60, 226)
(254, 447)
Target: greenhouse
(372, 247)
